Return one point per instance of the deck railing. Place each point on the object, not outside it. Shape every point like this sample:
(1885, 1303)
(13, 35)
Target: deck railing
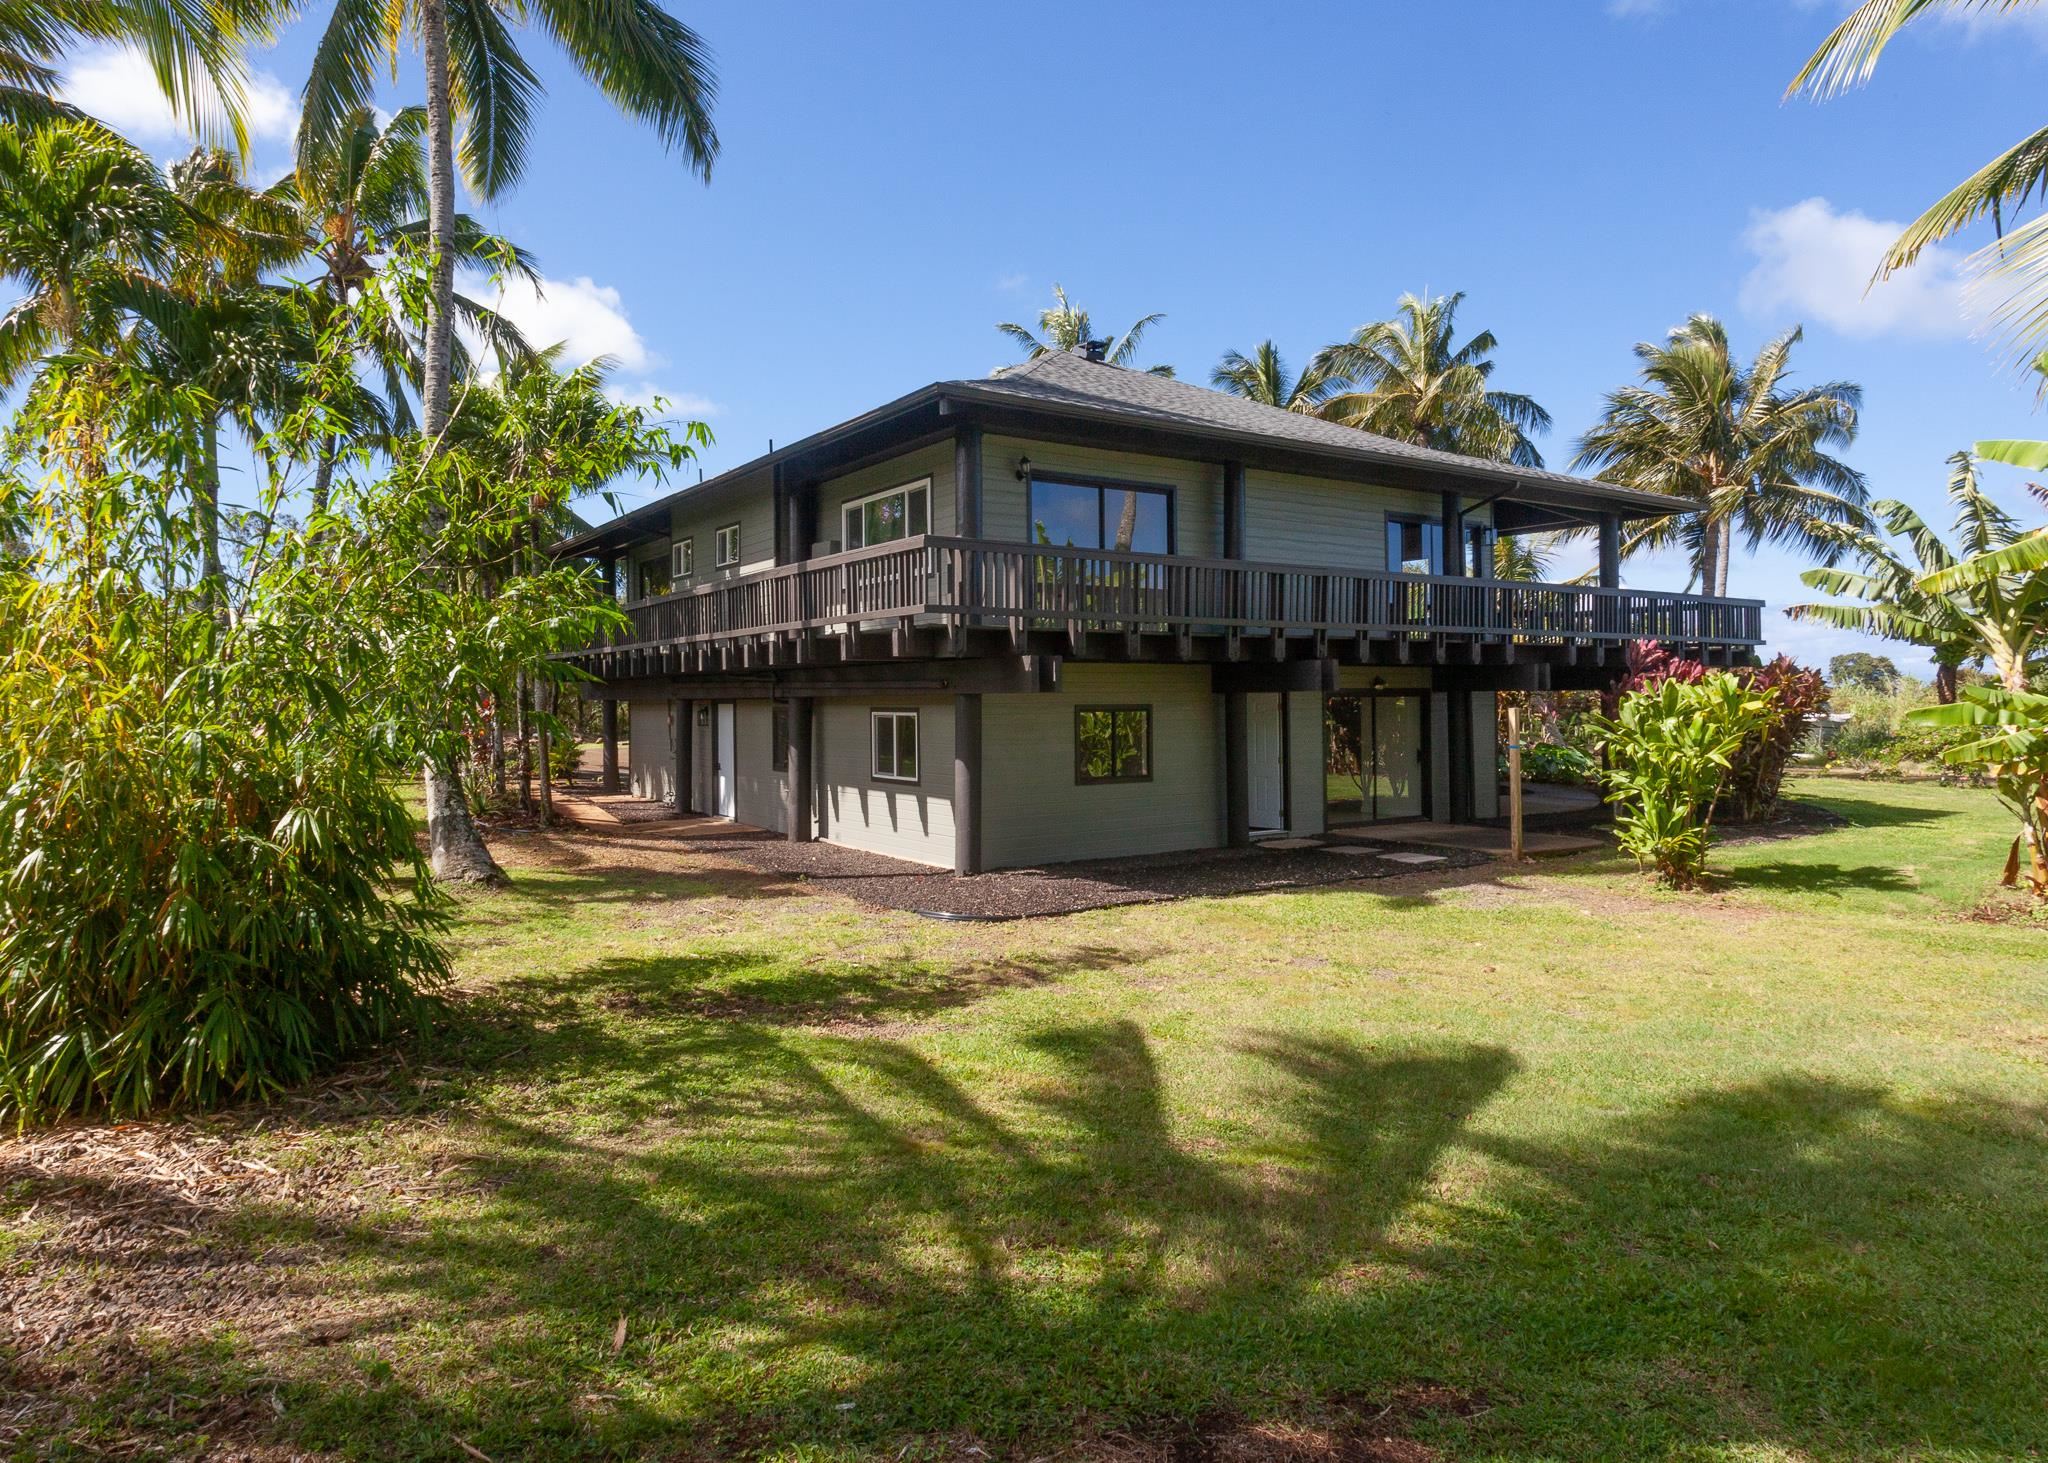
(1032, 586)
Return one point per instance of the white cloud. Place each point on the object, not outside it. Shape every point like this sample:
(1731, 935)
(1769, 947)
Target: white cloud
(588, 319)
(1632, 9)
(1011, 284)
(1815, 264)
(116, 85)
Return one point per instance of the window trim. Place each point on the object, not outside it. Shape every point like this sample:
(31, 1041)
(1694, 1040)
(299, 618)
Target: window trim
(848, 505)
(1105, 486)
(895, 713)
(1081, 777)
(718, 559)
(682, 559)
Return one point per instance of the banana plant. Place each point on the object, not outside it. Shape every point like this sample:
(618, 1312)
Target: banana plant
(2013, 749)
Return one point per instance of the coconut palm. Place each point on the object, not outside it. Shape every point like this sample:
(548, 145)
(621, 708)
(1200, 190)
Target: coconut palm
(1067, 328)
(2017, 261)
(651, 65)
(1263, 377)
(1957, 626)
(1531, 556)
(80, 210)
(196, 63)
(1408, 379)
(1735, 440)
(351, 204)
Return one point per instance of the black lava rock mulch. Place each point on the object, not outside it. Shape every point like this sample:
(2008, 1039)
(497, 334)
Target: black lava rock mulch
(1069, 888)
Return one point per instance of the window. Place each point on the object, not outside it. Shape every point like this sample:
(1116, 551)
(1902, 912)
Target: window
(651, 578)
(778, 733)
(726, 550)
(1415, 545)
(895, 745)
(1084, 515)
(882, 518)
(1113, 744)
(682, 559)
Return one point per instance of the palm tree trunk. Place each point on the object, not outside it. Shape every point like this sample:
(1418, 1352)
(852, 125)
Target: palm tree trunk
(440, 220)
(1944, 684)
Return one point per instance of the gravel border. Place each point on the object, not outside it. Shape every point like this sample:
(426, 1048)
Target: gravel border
(1055, 889)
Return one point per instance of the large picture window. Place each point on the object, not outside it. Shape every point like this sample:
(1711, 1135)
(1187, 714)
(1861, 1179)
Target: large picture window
(1113, 744)
(1415, 545)
(894, 738)
(884, 517)
(1084, 515)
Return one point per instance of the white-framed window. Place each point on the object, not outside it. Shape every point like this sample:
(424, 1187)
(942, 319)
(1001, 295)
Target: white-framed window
(726, 550)
(892, 739)
(880, 518)
(682, 559)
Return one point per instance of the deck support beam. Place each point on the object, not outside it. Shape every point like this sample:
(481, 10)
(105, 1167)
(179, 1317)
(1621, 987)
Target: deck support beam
(1458, 742)
(1233, 510)
(1237, 778)
(1610, 551)
(967, 791)
(1454, 536)
(610, 782)
(797, 800)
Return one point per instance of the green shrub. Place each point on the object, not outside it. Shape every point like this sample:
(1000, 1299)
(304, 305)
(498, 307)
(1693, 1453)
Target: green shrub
(1549, 762)
(1861, 740)
(1670, 750)
(211, 889)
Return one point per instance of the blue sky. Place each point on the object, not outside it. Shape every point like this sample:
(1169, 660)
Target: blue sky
(896, 179)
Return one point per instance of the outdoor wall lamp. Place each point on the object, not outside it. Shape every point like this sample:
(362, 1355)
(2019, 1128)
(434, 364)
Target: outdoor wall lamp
(1379, 683)
(1023, 469)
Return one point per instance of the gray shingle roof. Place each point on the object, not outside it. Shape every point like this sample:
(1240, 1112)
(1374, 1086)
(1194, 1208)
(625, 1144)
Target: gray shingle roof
(1064, 380)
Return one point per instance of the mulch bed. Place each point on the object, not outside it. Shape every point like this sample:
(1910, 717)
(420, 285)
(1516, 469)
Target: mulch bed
(889, 883)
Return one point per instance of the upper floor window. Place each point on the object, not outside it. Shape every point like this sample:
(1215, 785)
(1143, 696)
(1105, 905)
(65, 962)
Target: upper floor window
(682, 559)
(726, 548)
(1076, 513)
(1415, 545)
(884, 517)
(651, 578)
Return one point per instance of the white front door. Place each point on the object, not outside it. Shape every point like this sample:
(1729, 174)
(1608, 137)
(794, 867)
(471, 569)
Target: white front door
(1268, 762)
(722, 765)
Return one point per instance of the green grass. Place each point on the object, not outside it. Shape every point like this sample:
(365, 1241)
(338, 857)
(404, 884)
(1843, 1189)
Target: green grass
(1757, 1174)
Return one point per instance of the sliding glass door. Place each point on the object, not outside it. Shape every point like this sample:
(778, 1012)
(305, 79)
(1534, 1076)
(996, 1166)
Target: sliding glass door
(1376, 759)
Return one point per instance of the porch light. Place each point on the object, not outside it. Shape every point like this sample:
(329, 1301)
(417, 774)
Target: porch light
(1023, 469)
(1379, 683)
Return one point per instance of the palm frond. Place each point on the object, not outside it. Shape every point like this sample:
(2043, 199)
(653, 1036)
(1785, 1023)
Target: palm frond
(651, 65)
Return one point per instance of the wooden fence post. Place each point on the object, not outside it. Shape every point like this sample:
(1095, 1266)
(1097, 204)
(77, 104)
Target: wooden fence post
(1514, 784)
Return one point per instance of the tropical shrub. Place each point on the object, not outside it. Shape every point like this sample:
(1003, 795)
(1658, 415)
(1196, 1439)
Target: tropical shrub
(1757, 775)
(1670, 749)
(1551, 762)
(2007, 737)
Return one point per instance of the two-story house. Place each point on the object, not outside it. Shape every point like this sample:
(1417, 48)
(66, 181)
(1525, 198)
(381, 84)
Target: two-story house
(1076, 611)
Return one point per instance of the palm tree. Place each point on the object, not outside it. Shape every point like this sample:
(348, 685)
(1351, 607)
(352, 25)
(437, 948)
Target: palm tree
(1263, 377)
(652, 66)
(1956, 626)
(1529, 557)
(1406, 378)
(80, 211)
(2019, 260)
(196, 63)
(1736, 441)
(1069, 329)
(351, 204)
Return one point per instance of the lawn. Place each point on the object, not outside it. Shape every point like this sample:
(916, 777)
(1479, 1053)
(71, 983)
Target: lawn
(1484, 1165)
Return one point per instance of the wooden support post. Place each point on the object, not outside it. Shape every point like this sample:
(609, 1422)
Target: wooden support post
(1458, 742)
(1233, 510)
(611, 746)
(797, 808)
(1237, 778)
(1454, 537)
(1514, 784)
(967, 481)
(967, 807)
(1610, 551)
(685, 713)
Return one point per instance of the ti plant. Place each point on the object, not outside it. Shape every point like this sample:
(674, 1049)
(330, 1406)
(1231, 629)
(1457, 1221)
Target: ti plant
(2013, 749)
(1670, 750)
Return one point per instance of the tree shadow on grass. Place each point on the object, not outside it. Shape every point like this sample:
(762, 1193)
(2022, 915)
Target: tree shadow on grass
(1793, 876)
(850, 1244)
